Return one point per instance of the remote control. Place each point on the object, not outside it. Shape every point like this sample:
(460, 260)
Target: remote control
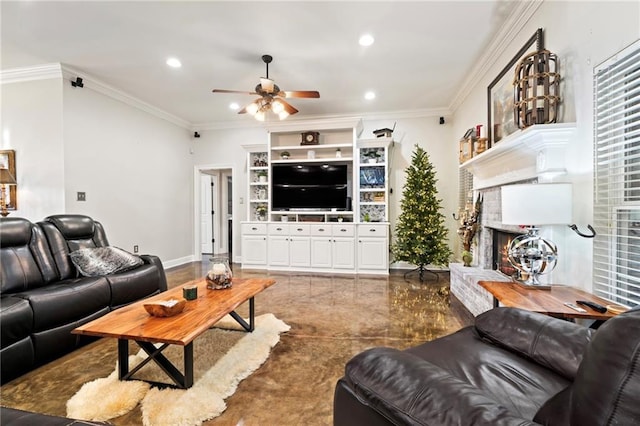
(575, 308)
(592, 305)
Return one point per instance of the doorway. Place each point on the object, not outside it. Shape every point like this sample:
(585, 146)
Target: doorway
(213, 201)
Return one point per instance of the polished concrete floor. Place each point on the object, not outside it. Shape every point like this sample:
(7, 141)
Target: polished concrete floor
(332, 318)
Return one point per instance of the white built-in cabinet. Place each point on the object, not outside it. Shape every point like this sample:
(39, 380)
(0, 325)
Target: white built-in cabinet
(353, 241)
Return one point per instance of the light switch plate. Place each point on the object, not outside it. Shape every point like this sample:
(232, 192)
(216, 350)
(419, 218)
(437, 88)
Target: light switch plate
(82, 196)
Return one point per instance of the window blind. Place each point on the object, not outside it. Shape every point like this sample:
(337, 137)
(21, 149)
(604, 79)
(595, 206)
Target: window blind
(616, 248)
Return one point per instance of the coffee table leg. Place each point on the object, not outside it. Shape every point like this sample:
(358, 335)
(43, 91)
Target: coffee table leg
(123, 358)
(496, 302)
(252, 317)
(188, 365)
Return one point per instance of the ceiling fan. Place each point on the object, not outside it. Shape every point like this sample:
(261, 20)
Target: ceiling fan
(271, 97)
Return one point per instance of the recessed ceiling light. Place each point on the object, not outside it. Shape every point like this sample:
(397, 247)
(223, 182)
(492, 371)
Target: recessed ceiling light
(369, 96)
(234, 106)
(174, 62)
(366, 40)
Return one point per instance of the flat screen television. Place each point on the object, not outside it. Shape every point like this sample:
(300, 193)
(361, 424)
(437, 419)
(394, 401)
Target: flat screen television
(309, 187)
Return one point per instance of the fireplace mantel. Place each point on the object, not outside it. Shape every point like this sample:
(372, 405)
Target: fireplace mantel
(537, 151)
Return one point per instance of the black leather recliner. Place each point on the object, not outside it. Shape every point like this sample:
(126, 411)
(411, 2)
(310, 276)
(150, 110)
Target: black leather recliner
(513, 367)
(42, 296)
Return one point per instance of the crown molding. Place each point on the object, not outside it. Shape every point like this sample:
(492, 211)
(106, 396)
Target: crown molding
(37, 72)
(57, 70)
(509, 29)
(117, 94)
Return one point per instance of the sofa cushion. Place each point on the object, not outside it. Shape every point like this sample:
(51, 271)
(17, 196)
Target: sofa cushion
(132, 285)
(495, 371)
(548, 341)
(93, 262)
(16, 318)
(17, 359)
(67, 301)
(607, 385)
(25, 261)
(79, 231)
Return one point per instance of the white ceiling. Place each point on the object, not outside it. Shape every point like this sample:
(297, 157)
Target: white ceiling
(421, 55)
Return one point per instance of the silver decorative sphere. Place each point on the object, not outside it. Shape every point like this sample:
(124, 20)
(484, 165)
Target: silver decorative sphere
(532, 255)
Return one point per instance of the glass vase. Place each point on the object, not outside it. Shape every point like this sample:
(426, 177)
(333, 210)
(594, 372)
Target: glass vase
(220, 275)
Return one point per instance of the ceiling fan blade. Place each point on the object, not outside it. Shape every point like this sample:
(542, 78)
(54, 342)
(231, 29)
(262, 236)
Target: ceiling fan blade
(233, 91)
(300, 94)
(242, 111)
(288, 107)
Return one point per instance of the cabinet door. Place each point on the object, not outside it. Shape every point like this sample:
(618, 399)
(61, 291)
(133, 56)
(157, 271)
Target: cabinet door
(321, 252)
(300, 251)
(372, 253)
(254, 250)
(278, 250)
(344, 253)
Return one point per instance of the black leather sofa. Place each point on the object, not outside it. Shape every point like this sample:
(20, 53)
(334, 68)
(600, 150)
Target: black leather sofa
(42, 295)
(14, 417)
(513, 367)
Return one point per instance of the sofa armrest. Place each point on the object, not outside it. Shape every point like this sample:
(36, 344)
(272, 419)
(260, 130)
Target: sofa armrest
(155, 260)
(551, 342)
(406, 389)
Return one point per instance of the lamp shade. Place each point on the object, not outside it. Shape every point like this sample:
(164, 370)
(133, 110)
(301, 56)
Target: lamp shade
(537, 204)
(6, 178)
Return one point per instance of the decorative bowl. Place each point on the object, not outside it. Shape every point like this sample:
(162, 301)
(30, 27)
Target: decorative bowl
(165, 308)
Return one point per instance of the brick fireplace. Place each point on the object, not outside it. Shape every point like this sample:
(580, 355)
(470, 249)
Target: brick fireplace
(531, 155)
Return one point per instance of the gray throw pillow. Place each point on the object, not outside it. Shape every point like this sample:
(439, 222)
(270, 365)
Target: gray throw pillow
(93, 262)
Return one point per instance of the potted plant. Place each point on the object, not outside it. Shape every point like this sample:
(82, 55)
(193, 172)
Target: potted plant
(372, 156)
(262, 176)
(366, 217)
(285, 155)
(261, 211)
(338, 153)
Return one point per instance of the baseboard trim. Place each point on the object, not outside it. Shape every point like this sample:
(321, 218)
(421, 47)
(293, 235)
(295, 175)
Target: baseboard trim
(177, 262)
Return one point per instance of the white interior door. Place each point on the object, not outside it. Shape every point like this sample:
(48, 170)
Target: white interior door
(206, 218)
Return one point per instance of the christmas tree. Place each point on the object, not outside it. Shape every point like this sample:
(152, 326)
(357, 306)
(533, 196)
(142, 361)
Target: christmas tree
(421, 237)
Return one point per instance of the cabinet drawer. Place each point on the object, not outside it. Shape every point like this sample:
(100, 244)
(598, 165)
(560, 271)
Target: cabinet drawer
(278, 229)
(299, 229)
(372, 230)
(254, 228)
(320, 230)
(343, 230)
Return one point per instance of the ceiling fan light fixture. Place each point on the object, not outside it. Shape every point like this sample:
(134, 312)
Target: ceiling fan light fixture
(277, 107)
(267, 85)
(252, 108)
(283, 114)
(259, 115)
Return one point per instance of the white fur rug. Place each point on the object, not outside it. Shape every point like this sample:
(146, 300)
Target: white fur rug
(107, 398)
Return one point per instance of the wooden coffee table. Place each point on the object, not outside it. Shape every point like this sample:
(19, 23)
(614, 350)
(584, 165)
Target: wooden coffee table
(132, 322)
(549, 302)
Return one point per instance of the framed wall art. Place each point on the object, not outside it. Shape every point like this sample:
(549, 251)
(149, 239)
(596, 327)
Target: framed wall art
(500, 119)
(8, 161)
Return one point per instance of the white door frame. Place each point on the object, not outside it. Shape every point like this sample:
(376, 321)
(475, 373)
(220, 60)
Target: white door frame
(197, 171)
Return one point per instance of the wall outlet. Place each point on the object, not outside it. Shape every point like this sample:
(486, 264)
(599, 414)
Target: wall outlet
(82, 196)
(135, 249)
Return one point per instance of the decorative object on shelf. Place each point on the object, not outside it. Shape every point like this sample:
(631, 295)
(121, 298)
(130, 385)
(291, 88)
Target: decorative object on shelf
(310, 138)
(530, 205)
(366, 217)
(372, 156)
(371, 177)
(262, 176)
(8, 178)
(469, 222)
(500, 107)
(340, 219)
(261, 212)
(271, 97)
(479, 146)
(220, 275)
(338, 153)
(284, 218)
(536, 89)
(262, 194)
(421, 235)
(466, 149)
(285, 155)
(384, 133)
(311, 154)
